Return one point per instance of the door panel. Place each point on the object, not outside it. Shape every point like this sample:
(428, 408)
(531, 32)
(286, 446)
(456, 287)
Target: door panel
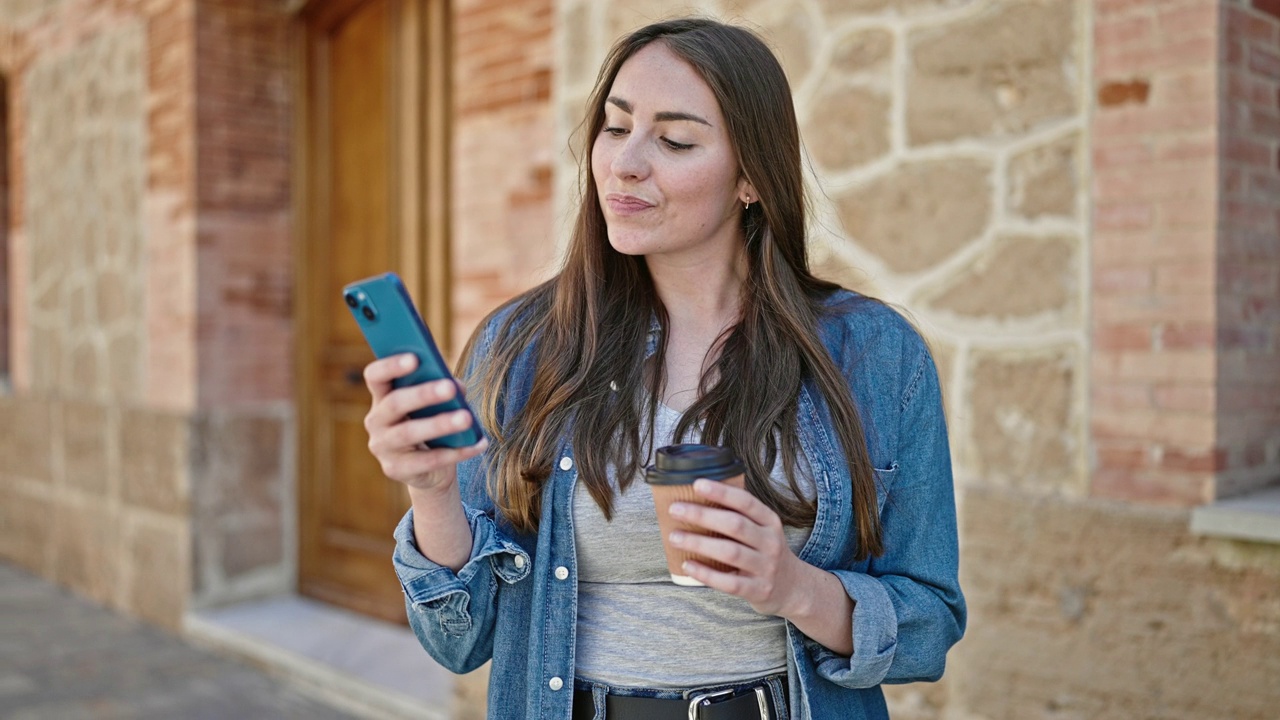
(364, 96)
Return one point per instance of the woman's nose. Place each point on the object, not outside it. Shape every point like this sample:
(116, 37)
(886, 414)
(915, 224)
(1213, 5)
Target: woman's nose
(631, 160)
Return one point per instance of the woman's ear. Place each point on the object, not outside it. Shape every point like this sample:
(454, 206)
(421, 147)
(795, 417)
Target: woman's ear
(746, 191)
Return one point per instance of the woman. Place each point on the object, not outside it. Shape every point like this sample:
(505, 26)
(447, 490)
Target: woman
(685, 310)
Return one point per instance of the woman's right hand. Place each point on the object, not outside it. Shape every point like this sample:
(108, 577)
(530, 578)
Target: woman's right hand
(398, 441)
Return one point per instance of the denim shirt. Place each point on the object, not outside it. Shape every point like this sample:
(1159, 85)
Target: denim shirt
(515, 600)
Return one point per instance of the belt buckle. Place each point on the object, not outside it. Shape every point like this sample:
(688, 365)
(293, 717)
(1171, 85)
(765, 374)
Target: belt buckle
(701, 700)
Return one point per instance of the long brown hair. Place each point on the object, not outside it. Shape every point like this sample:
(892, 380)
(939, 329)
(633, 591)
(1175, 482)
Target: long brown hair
(589, 325)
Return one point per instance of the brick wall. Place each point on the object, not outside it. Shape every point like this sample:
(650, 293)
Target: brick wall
(502, 145)
(1186, 304)
(1248, 258)
(245, 317)
(1153, 253)
(4, 232)
(242, 511)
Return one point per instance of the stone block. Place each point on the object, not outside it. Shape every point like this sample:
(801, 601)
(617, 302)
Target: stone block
(849, 126)
(87, 433)
(26, 437)
(623, 18)
(1111, 611)
(1025, 428)
(236, 465)
(862, 51)
(24, 13)
(997, 72)
(157, 584)
(86, 547)
(921, 213)
(579, 55)
(25, 527)
(153, 461)
(837, 10)
(253, 547)
(1043, 180)
(1018, 277)
(793, 33)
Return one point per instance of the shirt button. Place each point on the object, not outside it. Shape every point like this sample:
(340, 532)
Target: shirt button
(519, 561)
(562, 572)
(556, 683)
(566, 462)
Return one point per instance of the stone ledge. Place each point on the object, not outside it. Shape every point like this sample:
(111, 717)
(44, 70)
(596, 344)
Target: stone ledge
(367, 667)
(1255, 516)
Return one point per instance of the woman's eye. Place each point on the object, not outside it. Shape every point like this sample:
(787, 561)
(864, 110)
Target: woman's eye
(615, 131)
(676, 145)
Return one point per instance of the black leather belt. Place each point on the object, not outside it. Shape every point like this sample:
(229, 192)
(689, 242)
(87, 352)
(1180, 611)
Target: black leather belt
(752, 703)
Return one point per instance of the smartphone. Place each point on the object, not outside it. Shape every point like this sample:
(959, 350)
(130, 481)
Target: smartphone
(391, 325)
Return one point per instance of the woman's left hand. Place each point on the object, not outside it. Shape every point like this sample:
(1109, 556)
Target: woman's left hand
(768, 574)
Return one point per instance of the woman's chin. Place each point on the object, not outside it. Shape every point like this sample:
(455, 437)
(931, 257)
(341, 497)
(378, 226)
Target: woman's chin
(629, 243)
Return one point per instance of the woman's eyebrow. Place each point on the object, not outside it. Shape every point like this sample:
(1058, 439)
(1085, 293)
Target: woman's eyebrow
(664, 116)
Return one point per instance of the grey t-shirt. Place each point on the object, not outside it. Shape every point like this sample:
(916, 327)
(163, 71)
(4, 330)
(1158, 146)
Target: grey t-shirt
(638, 629)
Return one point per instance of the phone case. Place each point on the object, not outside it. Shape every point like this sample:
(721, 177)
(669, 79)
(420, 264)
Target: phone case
(391, 324)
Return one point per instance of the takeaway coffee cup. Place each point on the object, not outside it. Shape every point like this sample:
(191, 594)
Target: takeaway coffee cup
(671, 478)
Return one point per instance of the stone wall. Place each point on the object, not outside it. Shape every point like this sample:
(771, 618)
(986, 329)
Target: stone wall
(945, 141)
(93, 456)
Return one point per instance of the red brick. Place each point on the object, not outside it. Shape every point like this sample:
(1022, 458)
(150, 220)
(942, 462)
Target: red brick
(1248, 152)
(1155, 366)
(1133, 92)
(1158, 487)
(1208, 459)
(1186, 277)
(1122, 61)
(1120, 396)
(1270, 7)
(1176, 182)
(1123, 216)
(1118, 249)
(1189, 336)
(1123, 455)
(1198, 19)
(1126, 31)
(1142, 120)
(1123, 154)
(1186, 397)
(1242, 278)
(1264, 62)
(1123, 336)
(1188, 147)
(1248, 26)
(1198, 212)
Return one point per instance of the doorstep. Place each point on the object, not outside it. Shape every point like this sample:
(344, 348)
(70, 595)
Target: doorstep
(364, 666)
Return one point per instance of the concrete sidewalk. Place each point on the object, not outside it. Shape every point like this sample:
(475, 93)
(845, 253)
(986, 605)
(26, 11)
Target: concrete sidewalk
(63, 658)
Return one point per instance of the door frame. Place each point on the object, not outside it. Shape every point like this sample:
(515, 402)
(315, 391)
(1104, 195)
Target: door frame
(420, 139)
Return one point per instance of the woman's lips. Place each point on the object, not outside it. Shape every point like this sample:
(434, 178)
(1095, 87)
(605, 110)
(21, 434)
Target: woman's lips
(624, 205)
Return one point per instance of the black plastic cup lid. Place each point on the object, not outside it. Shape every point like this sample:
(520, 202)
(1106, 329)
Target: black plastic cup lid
(682, 464)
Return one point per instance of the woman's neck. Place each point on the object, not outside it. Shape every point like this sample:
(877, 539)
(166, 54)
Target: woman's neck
(700, 294)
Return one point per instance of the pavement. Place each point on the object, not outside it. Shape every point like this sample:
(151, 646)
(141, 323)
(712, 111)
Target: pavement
(64, 658)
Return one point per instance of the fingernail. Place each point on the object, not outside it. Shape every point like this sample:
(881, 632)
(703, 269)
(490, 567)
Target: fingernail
(676, 537)
(461, 419)
(701, 485)
(677, 510)
(407, 361)
(687, 567)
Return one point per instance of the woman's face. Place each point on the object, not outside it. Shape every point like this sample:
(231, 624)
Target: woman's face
(667, 177)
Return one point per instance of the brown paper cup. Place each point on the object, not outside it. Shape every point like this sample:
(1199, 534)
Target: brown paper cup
(663, 496)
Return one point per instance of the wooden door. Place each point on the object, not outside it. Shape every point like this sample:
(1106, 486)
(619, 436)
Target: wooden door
(371, 154)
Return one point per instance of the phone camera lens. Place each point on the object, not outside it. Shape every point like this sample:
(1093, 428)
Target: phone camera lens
(351, 300)
(368, 312)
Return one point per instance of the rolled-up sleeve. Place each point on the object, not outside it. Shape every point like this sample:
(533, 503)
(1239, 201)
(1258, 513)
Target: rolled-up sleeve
(452, 613)
(908, 607)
